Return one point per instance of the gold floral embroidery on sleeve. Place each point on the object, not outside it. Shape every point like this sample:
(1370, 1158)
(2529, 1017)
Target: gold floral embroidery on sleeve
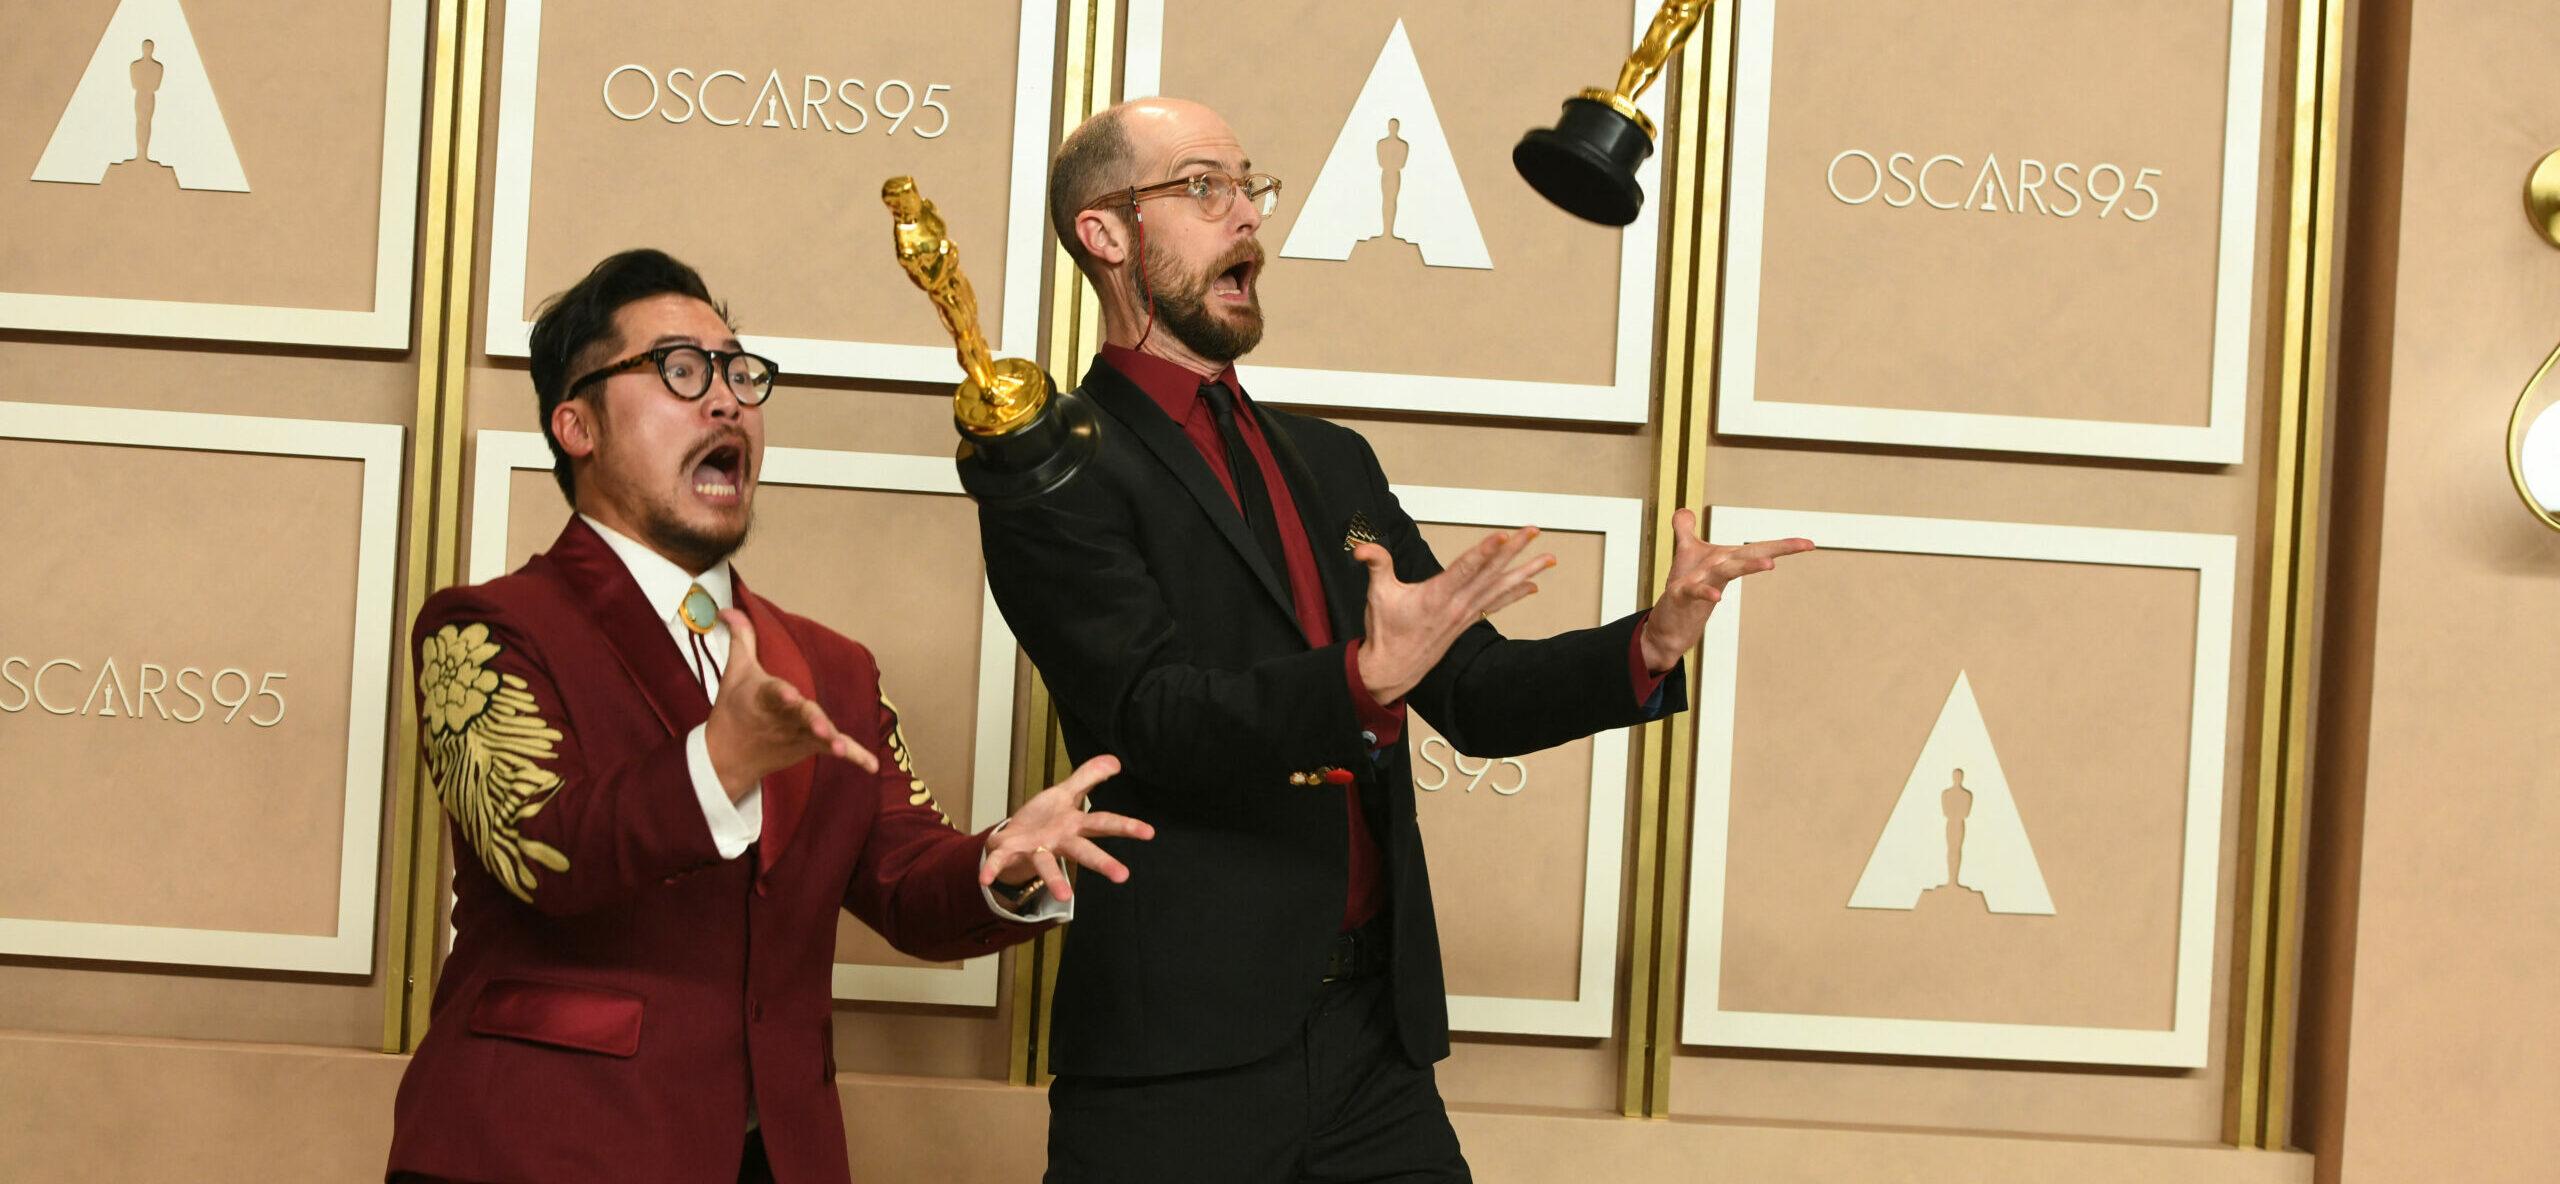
(918, 793)
(485, 742)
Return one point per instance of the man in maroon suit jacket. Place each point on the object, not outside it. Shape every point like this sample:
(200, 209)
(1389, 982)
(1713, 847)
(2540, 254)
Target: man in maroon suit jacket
(662, 789)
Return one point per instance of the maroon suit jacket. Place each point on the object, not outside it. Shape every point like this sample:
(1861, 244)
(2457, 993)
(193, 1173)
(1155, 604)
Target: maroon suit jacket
(615, 987)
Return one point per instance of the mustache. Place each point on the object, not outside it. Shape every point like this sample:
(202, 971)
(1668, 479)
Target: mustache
(713, 440)
(1248, 251)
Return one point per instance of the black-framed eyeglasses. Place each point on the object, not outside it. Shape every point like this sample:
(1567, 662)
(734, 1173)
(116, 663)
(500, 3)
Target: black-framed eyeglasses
(687, 371)
(1213, 193)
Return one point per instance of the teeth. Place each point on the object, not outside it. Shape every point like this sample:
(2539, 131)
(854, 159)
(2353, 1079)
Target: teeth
(715, 489)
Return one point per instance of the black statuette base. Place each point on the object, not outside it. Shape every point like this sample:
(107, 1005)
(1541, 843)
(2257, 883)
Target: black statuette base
(1586, 164)
(1035, 459)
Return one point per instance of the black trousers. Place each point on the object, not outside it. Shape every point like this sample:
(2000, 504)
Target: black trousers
(1339, 1104)
(752, 1166)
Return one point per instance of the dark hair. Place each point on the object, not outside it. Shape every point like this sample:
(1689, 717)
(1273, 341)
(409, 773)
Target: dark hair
(1093, 161)
(573, 323)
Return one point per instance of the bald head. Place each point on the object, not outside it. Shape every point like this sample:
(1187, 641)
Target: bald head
(1135, 143)
(1093, 161)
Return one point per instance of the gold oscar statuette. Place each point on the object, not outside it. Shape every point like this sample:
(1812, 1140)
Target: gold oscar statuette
(1019, 438)
(1587, 162)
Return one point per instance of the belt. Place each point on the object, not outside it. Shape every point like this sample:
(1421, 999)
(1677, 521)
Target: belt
(1359, 953)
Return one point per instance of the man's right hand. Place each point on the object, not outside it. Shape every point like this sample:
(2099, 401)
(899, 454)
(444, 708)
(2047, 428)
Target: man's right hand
(1411, 625)
(761, 725)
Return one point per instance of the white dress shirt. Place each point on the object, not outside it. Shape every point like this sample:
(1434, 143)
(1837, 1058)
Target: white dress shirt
(736, 825)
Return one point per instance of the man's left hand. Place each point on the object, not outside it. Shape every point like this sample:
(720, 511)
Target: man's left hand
(1055, 823)
(1699, 572)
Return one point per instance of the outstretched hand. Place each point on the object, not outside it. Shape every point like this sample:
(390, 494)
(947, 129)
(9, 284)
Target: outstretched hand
(1056, 823)
(1699, 572)
(1409, 626)
(761, 725)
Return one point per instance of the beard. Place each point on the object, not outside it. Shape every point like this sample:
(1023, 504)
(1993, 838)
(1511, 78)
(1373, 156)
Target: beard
(695, 546)
(660, 519)
(1182, 304)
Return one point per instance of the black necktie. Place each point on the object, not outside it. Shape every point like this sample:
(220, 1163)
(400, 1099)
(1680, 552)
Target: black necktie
(1251, 493)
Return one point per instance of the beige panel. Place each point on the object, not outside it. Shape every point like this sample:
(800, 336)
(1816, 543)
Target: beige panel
(1954, 1094)
(1529, 1148)
(2442, 1057)
(308, 130)
(95, 1109)
(786, 221)
(1505, 934)
(2084, 677)
(1548, 309)
(98, 1110)
(68, 996)
(2082, 317)
(130, 759)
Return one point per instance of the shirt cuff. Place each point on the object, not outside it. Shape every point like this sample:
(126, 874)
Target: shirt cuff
(1042, 909)
(734, 825)
(1380, 726)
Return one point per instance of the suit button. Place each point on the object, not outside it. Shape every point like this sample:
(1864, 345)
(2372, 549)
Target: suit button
(755, 1011)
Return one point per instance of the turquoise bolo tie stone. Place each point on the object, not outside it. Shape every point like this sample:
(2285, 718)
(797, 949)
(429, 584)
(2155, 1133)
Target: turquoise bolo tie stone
(699, 611)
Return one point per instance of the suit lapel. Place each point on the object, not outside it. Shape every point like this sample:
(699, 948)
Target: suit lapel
(632, 628)
(786, 793)
(1148, 422)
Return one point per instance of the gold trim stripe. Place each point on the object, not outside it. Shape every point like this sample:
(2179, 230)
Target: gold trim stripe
(401, 970)
(2260, 1114)
(1705, 111)
(1693, 167)
(435, 528)
(1075, 331)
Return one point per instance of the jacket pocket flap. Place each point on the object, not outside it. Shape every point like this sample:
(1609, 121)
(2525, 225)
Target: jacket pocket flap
(590, 1019)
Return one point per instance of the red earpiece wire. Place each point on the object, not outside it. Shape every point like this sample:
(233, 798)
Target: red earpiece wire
(1140, 217)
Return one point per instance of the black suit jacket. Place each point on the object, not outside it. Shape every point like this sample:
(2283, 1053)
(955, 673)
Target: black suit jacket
(1168, 639)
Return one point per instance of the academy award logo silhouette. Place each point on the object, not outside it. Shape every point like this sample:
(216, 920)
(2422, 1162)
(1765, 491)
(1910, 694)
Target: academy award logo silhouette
(1955, 829)
(145, 99)
(1390, 171)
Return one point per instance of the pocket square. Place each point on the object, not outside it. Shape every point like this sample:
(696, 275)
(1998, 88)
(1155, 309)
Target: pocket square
(1359, 532)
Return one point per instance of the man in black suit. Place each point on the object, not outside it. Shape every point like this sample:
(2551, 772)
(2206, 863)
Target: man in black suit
(1262, 1000)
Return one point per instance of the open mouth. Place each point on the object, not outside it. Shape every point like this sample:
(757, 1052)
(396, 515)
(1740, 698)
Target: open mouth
(1235, 283)
(721, 472)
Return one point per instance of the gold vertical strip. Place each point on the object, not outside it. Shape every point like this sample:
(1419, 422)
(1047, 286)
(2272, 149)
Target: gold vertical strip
(1053, 943)
(1710, 104)
(2261, 1102)
(1030, 736)
(1102, 90)
(1679, 330)
(444, 567)
(400, 970)
(1065, 282)
(1092, 33)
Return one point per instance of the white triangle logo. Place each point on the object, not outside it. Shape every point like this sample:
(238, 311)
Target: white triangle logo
(1955, 823)
(145, 93)
(1393, 131)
